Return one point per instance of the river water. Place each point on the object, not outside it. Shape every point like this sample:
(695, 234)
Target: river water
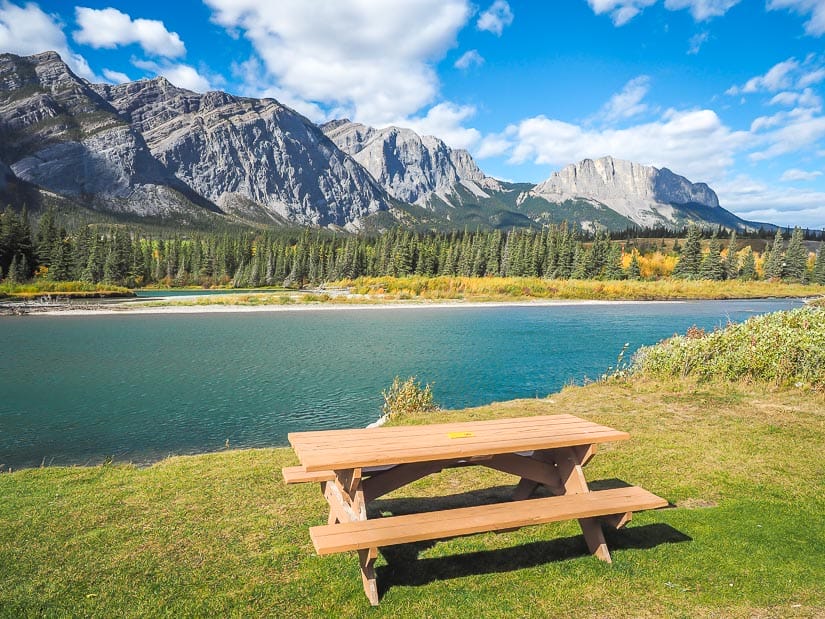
(136, 388)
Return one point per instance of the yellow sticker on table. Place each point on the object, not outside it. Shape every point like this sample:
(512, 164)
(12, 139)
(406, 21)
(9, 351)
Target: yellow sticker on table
(459, 434)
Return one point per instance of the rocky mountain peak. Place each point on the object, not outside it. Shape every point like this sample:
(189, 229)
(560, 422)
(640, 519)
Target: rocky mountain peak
(411, 167)
(644, 194)
(240, 152)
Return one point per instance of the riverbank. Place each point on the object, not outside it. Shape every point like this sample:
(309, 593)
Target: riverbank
(411, 292)
(221, 535)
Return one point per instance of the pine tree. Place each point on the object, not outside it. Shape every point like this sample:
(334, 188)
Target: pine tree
(690, 261)
(712, 267)
(634, 270)
(748, 270)
(731, 262)
(818, 275)
(795, 266)
(774, 258)
(613, 269)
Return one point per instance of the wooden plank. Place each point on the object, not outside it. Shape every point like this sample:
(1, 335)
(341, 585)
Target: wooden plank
(398, 476)
(329, 539)
(298, 475)
(368, 437)
(526, 468)
(617, 521)
(321, 450)
(377, 453)
(366, 558)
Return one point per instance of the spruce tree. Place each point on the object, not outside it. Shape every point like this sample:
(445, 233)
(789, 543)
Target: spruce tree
(712, 267)
(795, 265)
(748, 270)
(774, 258)
(613, 269)
(634, 269)
(818, 275)
(690, 261)
(731, 261)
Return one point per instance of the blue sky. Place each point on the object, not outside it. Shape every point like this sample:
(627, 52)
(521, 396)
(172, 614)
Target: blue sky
(723, 91)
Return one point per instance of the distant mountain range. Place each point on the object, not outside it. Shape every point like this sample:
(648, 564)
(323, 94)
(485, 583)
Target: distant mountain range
(149, 150)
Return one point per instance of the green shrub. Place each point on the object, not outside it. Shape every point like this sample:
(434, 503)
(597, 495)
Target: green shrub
(785, 348)
(407, 397)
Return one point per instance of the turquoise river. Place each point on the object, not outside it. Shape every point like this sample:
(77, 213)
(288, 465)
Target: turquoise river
(138, 387)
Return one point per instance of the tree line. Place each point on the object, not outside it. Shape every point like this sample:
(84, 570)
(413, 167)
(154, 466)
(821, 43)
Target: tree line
(121, 256)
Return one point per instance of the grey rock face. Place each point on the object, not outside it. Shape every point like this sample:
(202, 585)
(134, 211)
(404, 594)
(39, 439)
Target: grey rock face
(410, 167)
(59, 134)
(644, 194)
(233, 150)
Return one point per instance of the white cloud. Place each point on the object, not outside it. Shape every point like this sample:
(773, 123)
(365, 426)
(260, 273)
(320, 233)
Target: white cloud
(778, 77)
(795, 174)
(702, 10)
(469, 59)
(372, 61)
(787, 132)
(696, 42)
(28, 30)
(493, 145)
(109, 28)
(807, 98)
(116, 77)
(180, 75)
(814, 77)
(758, 201)
(814, 9)
(496, 18)
(444, 121)
(622, 11)
(627, 103)
(695, 143)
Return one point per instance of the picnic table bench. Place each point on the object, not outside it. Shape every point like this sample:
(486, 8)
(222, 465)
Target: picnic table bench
(354, 467)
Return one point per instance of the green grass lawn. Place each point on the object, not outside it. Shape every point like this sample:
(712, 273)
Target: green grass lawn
(222, 535)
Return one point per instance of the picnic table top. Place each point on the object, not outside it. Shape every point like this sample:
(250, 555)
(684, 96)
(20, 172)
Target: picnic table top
(349, 449)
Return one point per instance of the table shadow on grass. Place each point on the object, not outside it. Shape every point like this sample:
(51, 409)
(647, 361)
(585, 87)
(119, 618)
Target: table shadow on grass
(405, 568)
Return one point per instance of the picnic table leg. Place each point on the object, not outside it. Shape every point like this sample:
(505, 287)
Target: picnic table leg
(346, 501)
(367, 559)
(569, 464)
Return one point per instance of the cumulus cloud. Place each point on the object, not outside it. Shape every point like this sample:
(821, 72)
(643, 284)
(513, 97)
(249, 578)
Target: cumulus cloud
(469, 59)
(116, 77)
(445, 121)
(757, 201)
(795, 174)
(496, 18)
(813, 9)
(109, 28)
(695, 143)
(787, 132)
(806, 98)
(627, 103)
(181, 75)
(778, 77)
(622, 11)
(371, 61)
(28, 30)
(788, 74)
(494, 145)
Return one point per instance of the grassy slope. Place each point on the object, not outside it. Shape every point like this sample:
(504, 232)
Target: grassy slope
(221, 535)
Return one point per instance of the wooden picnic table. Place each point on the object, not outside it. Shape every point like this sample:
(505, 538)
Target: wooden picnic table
(357, 466)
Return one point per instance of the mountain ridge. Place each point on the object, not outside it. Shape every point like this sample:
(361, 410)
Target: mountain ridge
(151, 149)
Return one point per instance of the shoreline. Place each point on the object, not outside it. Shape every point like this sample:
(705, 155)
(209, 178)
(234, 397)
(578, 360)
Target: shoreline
(131, 309)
